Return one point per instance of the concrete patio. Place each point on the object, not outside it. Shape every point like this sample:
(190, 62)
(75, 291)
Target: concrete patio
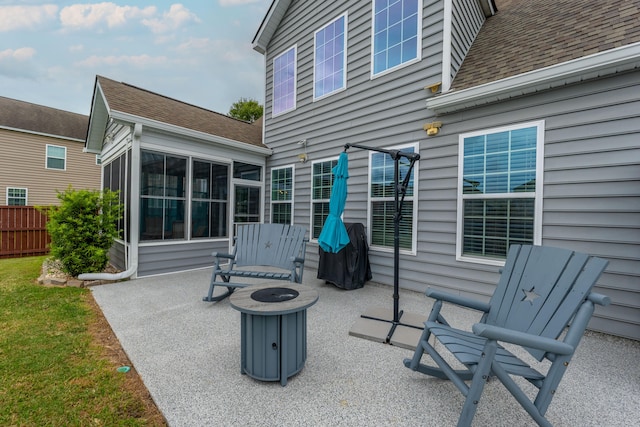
(188, 354)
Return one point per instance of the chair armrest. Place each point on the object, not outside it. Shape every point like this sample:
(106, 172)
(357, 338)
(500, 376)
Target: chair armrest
(458, 300)
(522, 338)
(223, 255)
(599, 299)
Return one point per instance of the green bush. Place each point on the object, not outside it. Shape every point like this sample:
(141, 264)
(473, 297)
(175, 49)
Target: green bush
(83, 228)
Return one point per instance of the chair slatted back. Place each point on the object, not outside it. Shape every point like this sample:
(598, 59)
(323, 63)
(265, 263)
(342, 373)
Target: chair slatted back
(269, 244)
(541, 288)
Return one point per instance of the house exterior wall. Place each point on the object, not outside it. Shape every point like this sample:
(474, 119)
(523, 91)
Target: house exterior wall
(590, 202)
(23, 165)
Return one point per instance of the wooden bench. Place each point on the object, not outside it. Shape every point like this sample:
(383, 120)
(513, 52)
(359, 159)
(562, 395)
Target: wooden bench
(277, 246)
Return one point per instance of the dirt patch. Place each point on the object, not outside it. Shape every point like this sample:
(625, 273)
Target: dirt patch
(106, 339)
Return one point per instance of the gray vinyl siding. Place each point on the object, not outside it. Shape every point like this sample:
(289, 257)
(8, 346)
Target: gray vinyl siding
(467, 19)
(168, 258)
(591, 191)
(591, 165)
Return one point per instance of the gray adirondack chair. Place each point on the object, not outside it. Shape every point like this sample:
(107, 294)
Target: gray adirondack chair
(281, 246)
(541, 292)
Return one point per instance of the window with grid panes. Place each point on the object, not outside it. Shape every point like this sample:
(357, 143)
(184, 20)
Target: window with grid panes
(281, 195)
(284, 82)
(321, 182)
(330, 54)
(16, 196)
(382, 201)
(499, 192)
(397, 33)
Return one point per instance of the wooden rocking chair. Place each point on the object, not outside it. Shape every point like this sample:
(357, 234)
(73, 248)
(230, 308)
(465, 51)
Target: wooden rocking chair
(541, 292)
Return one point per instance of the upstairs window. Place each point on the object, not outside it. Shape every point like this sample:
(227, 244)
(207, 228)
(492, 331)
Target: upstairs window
(499, 191)
(330, 57)
(56, 157)
(284, 82)
(16, 196)
(397, 33)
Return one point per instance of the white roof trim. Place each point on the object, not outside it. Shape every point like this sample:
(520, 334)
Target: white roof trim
(269, 25)
(600, 64)
(154, 124)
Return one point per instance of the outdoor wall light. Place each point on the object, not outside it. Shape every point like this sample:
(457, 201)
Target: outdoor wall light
(432, 128)
(303, 157)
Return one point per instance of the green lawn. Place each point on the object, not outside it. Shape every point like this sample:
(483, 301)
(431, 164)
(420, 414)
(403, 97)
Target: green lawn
(51, 371)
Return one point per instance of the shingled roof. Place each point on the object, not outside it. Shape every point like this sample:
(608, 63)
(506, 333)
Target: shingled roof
(125, 98)
(529, 35)
(40, 119)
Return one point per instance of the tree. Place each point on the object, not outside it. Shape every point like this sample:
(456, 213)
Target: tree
(83, 228)
(246, 109)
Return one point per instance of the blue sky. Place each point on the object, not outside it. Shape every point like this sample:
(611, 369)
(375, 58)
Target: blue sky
(197, 51)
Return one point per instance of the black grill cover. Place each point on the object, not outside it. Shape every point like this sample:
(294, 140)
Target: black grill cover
(349, 268)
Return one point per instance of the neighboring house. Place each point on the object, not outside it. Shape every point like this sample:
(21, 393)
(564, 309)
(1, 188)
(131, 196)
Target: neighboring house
(41, 152)
(186, 176)
(526, 115)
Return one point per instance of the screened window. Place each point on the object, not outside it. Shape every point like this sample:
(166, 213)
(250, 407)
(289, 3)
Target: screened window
(247, 205)
(16, 196)
(115, 178)
(209, 195)
(56, 157)
(499, 194)
(397, 33)
(321, 182)
(163, 196)
(382, 201)
(284, 82)
(330, 55)
(247, 171)
(282, 195)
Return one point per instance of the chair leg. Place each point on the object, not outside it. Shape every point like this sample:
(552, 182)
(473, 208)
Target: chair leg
(478, 382)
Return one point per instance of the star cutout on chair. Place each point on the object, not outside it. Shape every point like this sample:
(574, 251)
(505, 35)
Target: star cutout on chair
(530, 295)
(267, 245)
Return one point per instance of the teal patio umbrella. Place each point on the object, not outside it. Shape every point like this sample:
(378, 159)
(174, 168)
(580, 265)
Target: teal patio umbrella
(333, 236)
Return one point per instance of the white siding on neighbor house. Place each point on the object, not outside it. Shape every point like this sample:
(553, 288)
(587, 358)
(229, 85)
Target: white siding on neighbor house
(591, 166)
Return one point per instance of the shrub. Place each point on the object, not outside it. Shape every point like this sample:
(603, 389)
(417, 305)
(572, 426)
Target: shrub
(83, 228)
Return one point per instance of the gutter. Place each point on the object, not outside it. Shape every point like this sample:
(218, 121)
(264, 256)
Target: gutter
(597, 65)
(135, 212)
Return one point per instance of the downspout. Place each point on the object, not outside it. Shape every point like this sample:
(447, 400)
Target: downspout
(135, 214)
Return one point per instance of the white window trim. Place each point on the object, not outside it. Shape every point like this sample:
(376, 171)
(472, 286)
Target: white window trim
(344, 58)
(418, 47)
(292, 166)
(414, 199)
(538, 194)
(295, 81)
(46, 157)
(312, 200)
(26, 195)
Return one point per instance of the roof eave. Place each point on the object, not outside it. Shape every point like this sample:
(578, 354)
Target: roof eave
(269, 25)
(597, 65)
(169, 128)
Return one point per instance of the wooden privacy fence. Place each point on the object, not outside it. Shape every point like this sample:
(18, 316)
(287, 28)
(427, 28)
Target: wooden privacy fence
(22, 232)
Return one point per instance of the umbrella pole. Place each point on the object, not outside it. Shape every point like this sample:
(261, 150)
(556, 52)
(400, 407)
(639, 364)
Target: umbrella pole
(400, 191)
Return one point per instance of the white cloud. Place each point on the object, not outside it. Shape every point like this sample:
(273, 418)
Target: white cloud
(88, 16)
(227, 51)
(138, 61)
(26, 17)
(76, 48)
(236, 2)
(177, 16)
(18, 63)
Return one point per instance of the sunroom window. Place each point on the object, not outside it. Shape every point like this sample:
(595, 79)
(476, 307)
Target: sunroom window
(499, 190)
(382, 201)
(209, 195)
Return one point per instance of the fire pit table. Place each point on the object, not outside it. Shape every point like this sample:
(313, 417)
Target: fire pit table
(273, 329)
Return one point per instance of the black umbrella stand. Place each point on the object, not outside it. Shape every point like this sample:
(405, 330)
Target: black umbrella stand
(400, 192)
